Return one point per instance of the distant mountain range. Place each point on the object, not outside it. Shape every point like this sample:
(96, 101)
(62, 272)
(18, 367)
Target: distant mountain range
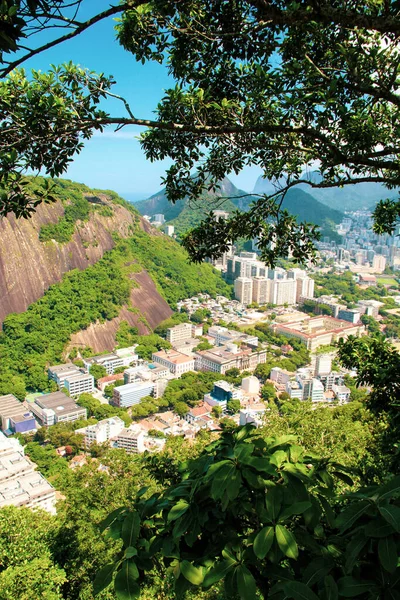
(351, 197)
(184, 214)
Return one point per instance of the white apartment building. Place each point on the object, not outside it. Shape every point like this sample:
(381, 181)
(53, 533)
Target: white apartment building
(244, 290)
(102, 431)
(342, 393)
(20, 484)
(180, 332)
(79, 384)
(304, 288)
(128, 355)
(131, 440)
(379, 263)
(132, 393)
(283, 291)
(175, 361)
(261, 290)
(323, 364)
(280, 376)
(169, 230)
(109, 361)
(294, 390)
(58, 373)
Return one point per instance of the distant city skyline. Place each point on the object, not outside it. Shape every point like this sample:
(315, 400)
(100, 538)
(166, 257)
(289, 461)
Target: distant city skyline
(115, 160)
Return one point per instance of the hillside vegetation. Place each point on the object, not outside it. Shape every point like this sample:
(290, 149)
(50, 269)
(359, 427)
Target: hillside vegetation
(36, 338)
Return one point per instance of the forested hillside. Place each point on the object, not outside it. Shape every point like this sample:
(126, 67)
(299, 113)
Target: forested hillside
(185, 215)
(36, 338)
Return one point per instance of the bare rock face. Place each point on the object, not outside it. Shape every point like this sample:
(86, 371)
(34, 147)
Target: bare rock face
(149, 310)
(28, 266)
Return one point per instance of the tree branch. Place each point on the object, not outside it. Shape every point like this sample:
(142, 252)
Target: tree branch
(113, 10)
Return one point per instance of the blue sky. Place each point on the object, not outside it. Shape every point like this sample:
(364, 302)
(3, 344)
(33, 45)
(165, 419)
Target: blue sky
(115, 160)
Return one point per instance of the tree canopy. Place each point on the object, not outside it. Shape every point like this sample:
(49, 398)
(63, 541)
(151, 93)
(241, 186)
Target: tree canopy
(281, 85)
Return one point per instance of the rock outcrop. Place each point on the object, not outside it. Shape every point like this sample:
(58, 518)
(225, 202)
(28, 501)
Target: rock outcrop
(28, 266)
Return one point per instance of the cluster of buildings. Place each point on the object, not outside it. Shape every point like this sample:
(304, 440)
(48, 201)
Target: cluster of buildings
(20, 484)
(319, 331)
(318, 383)
(361, 248)
(254, 282)
(41, 410)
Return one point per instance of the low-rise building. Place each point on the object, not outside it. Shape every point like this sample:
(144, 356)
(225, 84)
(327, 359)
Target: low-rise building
(223, 358)
(128, 355)
(57, 407)
(319, 331)
(342, 393)
(280, 376)
(58, 373)
(79, 384)
(131, 394)
(198, 413)
(253, 414)
(20, 485)
(349, 314)
(102, 431)
(14, 416)
(131, 440)
(175, 361)
(294, 389)
(109, 361)
(222, 393)
(369, 307)
(103, 382)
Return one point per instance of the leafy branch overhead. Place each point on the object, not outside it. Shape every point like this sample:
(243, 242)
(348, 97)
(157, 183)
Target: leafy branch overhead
(274, 84)
(259, 516)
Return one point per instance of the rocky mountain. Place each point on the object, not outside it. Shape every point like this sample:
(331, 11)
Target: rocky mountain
(185, 214)
(353, 197)
(80, 229)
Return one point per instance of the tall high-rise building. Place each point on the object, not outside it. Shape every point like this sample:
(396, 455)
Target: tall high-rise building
(304, 288)
(261, 290)
(244, 290)
(379, 263)
(283, 291)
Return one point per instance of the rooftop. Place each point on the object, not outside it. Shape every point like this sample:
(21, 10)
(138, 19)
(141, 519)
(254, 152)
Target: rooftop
(173, 356)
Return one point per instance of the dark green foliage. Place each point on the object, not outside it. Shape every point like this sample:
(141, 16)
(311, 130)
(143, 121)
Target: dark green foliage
(286, 540)
(63, 230)
(167, 263)
(345, 286)
(37, 338)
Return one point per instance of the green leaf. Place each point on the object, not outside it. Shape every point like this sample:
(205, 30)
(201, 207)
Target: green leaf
(378, 528)
(343, 477)
(351, 514)
(273, 502)
(349, 587)
(390, 489)
(246, 585)
(387, 552)
(353, 549)
(193, 574)
(278, 458)
(297, 508)
(316, 570)
(125, 585)
(263, 542)
(103, 578)
(298, 591)
(217, 572)
(130, 529)
(130, 551)
(234, 483)
(110, 519)
(177, 510)
(331, 589)
(286, 542)
(330, 515)
(221, 480)
(391, 514)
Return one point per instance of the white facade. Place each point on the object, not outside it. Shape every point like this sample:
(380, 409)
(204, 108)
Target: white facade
(102, 431)
(279, 375)
(131, 440)
(244, 290)
(79, 384)
(20, 484)
(304, 288)
(180, 332)
(175, 361)
(342, 393)
(261, 290)
(283, 291)
(251, 385)
(323, 364)
(132, 393)
(109, 361)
